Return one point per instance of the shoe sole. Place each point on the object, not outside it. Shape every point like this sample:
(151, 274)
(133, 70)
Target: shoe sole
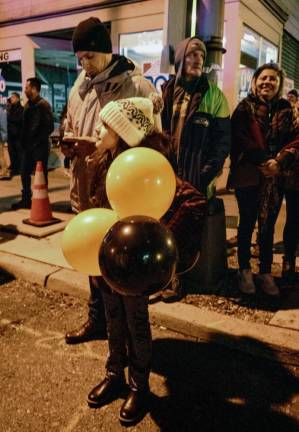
(172, 300)
(110, 398)
(75, 342)
(276, 295)
(106, 401)
(248, 292)
(260, 286)
(132, 422)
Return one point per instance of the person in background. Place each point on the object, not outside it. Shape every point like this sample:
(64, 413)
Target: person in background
(196, 116)
(291, 228)
(62, 126)
(4, 168)
(292, 97)
(38, 123)
(105, 77)
(14, 130)
(262, 127)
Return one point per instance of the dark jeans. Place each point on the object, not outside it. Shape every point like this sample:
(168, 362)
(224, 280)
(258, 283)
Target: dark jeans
(29, 159)
(15, 155)
(248, 203)
(129, 336)
(291, 228)
(67, 162)
(96, 311)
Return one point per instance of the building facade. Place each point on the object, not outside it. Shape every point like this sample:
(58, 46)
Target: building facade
(255, 32)
(35, 39)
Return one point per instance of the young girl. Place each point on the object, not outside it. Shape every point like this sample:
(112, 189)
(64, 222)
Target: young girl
(125, 124)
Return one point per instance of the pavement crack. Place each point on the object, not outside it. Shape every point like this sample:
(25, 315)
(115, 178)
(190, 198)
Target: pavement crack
(80, 412)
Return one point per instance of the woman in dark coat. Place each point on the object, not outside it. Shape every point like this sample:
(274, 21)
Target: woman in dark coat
(262, 127)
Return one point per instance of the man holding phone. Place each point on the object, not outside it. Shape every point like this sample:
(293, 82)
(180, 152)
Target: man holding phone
(105, 77)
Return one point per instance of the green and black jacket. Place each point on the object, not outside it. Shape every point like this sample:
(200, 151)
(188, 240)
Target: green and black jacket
(205, 138)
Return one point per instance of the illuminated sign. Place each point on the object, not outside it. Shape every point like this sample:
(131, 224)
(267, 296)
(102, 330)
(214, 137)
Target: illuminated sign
(2, 85)
(9, 56)
(158, 81)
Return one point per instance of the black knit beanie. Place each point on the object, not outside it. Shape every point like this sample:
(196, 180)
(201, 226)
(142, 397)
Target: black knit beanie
(91, 35)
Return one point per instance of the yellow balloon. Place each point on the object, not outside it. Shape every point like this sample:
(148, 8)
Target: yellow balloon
(140, 181)
(82, 239)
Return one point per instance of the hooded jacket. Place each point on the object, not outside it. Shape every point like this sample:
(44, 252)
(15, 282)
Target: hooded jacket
(121, 79)
(205, 137)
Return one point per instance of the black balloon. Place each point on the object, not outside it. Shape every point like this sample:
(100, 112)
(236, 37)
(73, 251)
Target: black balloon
(138, 256)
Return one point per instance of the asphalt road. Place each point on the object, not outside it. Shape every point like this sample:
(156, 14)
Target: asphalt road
(195, 386)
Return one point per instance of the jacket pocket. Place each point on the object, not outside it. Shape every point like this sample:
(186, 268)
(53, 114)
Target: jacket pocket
(244, 175)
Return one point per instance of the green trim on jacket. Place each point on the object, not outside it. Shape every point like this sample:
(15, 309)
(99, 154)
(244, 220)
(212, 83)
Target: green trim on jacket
(214, 102)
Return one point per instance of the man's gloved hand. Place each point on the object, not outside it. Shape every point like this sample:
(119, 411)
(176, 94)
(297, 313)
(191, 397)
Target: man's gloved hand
(67, 149)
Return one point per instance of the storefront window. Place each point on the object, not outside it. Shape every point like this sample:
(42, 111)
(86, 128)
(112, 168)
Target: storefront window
(250, 49)
(145, 48)
(10, 74)
(58, 70)
(255, 51)
(268, 53)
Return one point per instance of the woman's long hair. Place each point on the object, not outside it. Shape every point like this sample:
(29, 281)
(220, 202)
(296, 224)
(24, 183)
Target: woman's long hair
(272, 66)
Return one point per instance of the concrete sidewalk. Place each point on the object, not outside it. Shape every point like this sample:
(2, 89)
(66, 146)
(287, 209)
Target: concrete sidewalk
(35, 254)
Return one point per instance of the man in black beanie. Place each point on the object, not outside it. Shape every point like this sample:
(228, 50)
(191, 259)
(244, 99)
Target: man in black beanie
(105, 77)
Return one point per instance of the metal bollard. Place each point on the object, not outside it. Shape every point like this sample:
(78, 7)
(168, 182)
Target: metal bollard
(208, 274)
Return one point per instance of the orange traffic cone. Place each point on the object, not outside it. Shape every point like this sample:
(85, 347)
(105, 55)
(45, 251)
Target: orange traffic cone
(41, 214)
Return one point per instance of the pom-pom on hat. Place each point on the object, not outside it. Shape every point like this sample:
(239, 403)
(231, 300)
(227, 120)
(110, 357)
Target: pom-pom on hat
(91, 35)
(132, 118)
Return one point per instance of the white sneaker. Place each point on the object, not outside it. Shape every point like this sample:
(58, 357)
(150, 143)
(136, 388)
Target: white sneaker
(246, 283)
(268, 285)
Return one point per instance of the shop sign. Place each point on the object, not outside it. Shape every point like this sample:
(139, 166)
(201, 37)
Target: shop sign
(157, 81)
(151, 71)
(215, 74)
(10, 55)
(2, 84)
(3, 98)
(246, 75)
(245, 78)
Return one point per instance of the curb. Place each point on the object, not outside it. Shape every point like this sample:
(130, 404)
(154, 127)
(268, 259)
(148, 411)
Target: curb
(267, 341)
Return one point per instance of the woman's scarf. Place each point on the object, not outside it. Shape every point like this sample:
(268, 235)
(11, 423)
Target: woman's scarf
(269, 200)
